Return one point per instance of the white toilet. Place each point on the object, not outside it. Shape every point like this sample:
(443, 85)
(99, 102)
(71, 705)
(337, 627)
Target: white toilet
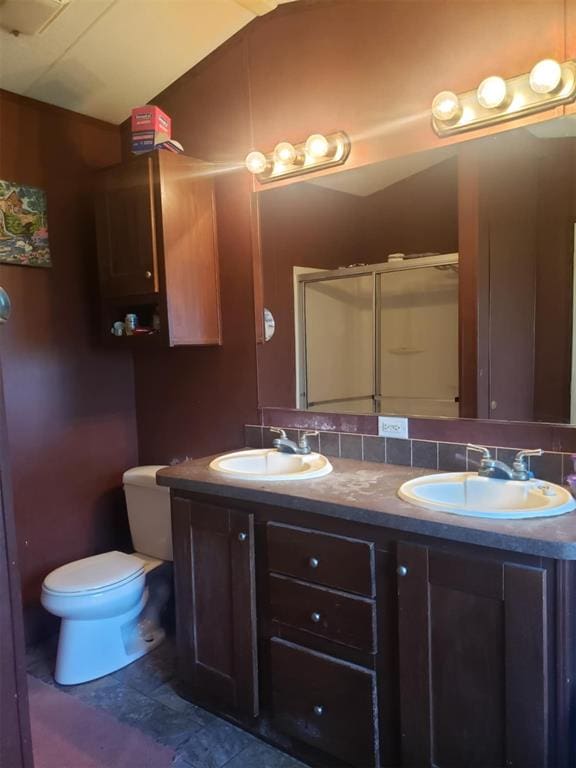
(109, 617)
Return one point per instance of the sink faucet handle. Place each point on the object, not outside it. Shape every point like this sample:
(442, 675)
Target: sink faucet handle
(303, 443)
(279, 431)
(520, 465)
(480, 449)
(520, 458)
(521, 455)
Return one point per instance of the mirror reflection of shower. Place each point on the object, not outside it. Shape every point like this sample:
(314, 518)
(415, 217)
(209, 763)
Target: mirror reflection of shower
(380, 338)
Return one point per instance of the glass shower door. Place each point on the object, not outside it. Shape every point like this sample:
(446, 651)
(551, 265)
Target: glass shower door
(418, 341)
(339, 353)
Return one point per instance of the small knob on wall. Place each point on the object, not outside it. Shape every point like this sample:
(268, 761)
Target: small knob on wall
(402, 570)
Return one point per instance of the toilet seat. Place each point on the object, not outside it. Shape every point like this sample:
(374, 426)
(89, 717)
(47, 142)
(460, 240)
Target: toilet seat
(95, 574)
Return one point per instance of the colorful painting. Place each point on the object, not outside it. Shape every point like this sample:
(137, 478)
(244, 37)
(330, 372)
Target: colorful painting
(23, 226)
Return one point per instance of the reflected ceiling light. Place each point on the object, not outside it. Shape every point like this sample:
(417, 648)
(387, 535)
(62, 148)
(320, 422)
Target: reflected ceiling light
(256, 162)
(492, 92)
(446, 106)
(317, 145)
(546, 76)
(287, 159)
(497, 100)
(285, 153)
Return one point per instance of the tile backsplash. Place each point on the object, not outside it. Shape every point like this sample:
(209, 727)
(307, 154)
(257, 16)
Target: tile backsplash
(428, 454)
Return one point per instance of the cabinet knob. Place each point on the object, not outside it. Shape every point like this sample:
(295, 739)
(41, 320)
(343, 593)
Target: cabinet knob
(242, 536)
(402, 570)
(313, 562)
(318, 710)
(315, 617)
(147, 274)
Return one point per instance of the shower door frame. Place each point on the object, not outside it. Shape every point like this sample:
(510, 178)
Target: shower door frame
(374, 270)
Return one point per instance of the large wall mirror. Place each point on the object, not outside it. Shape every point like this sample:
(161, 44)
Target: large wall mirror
(436, 284)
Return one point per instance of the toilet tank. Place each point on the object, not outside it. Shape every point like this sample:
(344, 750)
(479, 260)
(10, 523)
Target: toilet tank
(148, 507)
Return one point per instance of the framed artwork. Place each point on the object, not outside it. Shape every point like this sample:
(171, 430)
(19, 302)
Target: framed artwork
(23, 226)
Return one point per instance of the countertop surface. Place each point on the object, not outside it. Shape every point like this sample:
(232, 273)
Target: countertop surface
(365, 492)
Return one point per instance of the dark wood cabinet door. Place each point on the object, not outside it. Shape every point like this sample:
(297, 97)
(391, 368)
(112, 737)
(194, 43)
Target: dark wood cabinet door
(190, 250)
(473, 661)
(216, 604)
(125, 226)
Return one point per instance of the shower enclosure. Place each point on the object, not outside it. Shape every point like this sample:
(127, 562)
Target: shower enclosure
(380, 338)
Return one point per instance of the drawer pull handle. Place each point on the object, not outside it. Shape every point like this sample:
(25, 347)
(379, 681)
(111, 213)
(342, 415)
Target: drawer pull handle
(315, 616)
(242, 536)
(318, 710)
(402, 570)
(313, 562)
(148, 274)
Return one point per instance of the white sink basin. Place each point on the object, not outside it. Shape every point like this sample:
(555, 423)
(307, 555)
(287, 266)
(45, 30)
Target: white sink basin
(270, 464)
(465, 493)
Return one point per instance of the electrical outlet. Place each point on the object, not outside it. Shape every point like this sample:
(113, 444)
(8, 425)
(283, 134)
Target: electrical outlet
(393, 426)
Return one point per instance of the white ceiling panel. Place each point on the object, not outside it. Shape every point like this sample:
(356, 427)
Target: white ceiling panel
(25, 58)
(103, 57)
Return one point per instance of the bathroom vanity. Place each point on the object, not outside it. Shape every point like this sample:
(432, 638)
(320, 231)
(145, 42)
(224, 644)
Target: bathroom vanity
(351, 628)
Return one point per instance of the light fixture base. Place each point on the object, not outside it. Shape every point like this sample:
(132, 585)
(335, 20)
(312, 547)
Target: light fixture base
(304, 163)
(521, 102)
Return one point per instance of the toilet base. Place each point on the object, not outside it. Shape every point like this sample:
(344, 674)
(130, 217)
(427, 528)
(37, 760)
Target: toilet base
(89, 649)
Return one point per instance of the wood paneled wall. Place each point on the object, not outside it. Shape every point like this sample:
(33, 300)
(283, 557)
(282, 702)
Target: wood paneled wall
(370, 68)
(15, 737)
(554, 281)
(416, 215)
(70, 404)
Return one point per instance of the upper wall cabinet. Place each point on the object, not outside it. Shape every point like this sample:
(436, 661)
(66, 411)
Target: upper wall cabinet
(157, 250)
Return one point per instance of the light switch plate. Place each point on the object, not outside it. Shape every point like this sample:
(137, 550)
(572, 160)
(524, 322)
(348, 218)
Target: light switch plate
(393, 426)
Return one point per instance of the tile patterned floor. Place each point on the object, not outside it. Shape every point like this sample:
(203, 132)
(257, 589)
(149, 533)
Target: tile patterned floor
(142, 696)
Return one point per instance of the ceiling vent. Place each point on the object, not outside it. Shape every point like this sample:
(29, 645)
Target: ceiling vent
(29, 17)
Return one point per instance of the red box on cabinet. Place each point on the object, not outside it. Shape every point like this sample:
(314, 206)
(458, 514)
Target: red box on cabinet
(150, 127)
(151, 118)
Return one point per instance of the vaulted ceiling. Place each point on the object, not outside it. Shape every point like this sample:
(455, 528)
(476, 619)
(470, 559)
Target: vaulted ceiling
(103, 57)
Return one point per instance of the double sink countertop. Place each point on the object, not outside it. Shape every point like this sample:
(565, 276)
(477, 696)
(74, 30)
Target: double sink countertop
(365, 492)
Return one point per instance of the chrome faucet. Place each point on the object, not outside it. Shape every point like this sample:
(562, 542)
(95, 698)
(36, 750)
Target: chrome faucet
(498, 470)
(285, 445)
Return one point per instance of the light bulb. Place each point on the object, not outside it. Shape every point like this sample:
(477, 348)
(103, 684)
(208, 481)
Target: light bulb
(492, 92)
(546, 76)
(256, 162)
(284, 153)
(317, 146)
(446, 106)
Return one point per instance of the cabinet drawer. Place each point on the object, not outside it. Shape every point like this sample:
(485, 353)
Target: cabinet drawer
(334, 615)
(326, 703)
(346, 564)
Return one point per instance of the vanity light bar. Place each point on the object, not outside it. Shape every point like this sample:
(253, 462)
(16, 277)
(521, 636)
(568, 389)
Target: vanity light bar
(317, 152)
(496, 100)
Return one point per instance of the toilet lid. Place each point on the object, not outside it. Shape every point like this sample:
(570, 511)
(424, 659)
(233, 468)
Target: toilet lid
(94, 573)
